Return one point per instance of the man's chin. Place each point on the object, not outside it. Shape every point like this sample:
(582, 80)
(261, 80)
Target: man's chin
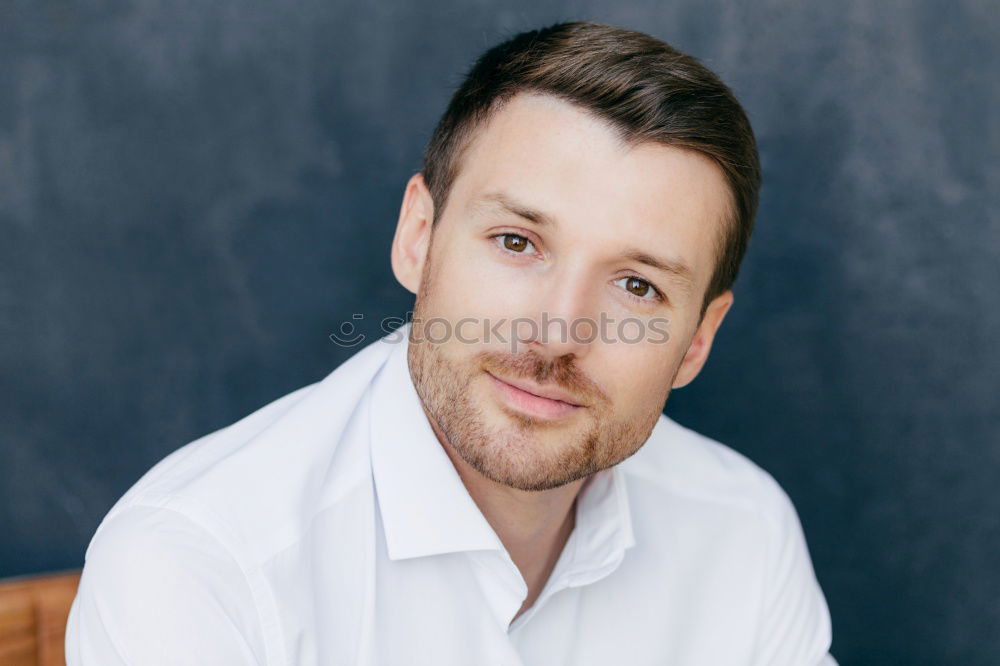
(529, 482)
(520, 461)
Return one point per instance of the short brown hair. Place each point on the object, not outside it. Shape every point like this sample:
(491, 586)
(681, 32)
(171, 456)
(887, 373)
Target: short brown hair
(643, 88)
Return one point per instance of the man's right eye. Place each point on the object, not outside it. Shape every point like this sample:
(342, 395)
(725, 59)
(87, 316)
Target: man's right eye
(514, 242)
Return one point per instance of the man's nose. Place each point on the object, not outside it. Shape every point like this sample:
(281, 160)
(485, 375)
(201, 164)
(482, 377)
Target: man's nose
(565, 317)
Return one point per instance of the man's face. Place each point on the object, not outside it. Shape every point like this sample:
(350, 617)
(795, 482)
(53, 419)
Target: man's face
(551, 219)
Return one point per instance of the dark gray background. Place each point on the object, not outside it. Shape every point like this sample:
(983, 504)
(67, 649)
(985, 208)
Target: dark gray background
(193, 195)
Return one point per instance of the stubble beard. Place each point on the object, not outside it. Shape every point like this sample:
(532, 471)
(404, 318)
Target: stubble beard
(516, 455)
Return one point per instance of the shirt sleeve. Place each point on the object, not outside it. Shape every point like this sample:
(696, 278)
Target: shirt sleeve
(795, 623)
(158, 589)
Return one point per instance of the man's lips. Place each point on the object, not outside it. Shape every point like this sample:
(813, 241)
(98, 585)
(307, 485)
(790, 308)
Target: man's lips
(540, 400)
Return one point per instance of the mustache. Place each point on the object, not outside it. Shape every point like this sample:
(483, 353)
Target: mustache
(559, 371)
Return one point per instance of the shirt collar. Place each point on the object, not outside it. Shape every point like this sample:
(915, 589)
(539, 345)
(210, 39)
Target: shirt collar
(425, 507)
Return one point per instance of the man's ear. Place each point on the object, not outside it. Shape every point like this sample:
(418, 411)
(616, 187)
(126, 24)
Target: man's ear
(413, 233)
(701, 342)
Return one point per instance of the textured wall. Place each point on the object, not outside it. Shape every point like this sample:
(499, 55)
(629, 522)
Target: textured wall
(194, 195)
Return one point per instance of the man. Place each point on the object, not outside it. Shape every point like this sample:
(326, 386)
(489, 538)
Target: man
(495, 482)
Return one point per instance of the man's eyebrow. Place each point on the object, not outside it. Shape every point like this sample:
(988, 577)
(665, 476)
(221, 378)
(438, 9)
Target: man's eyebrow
(509, 204)
(678, 271)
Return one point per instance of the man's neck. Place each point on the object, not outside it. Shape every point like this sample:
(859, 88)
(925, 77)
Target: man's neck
(532, 525)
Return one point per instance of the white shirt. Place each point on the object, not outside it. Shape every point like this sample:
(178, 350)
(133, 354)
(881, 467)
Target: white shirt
(330, 527)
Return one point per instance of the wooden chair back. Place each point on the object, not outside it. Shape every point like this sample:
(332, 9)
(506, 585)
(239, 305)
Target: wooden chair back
(33, 614)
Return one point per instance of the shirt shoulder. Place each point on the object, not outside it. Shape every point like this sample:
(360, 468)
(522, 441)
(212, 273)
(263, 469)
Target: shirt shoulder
(680, 461)
(160, 589)
(721, 491)
(256, 484)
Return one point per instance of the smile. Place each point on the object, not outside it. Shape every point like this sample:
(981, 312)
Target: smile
(536, 405)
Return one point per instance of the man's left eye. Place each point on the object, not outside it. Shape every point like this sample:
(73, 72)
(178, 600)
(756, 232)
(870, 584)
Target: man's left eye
(639, 288)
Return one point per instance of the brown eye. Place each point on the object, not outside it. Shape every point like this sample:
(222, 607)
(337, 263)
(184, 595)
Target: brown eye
(640, 289)
(515, 243)
(637, 286)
